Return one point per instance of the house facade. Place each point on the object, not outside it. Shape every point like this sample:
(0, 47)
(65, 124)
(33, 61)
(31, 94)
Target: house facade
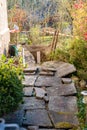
(4, 30)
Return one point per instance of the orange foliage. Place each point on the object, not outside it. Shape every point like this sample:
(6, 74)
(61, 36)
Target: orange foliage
(79, 14)
(16, 15)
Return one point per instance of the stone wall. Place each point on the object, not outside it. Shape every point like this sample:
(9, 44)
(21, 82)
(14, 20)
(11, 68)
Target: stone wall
(4, 30)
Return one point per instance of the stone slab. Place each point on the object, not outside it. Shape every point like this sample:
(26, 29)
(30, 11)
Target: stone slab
(62, 90)
(20, 128)
(40, 92)
(38, 118)
(51, 64)
(51, 129)
(66, 80)
(46, 99)
(48, 69)
(63, 104)
(30, 70)
(15, 117)
(63, 69)
(29, 58)
(33, 73)
(64, 120)
(28, 91)
(47, 81)
(33, 103)
(44, 73)
(33, 127)
(29, 80)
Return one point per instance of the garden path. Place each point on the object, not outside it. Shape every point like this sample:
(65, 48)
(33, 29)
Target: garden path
(50, 101)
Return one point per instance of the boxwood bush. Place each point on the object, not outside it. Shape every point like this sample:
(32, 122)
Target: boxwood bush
(11, 89)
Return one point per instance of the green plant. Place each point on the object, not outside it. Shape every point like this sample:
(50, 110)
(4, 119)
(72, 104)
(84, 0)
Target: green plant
(78, 56)
(35, 35)
(78, 53)
(82, 74)
(11, 88)
(81, 110)
(59, 54)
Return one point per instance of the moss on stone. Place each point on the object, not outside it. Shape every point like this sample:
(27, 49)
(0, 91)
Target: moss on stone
(64, 125)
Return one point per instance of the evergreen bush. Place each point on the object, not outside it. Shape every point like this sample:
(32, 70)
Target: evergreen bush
(11, 89)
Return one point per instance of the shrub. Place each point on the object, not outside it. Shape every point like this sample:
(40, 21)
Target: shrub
(78, 53)
(60, 55)
(11, 89)
(81, 110)
(35, 35)
(75, 52)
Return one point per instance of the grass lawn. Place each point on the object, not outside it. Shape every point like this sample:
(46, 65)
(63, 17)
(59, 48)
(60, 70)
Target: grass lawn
(45, 40)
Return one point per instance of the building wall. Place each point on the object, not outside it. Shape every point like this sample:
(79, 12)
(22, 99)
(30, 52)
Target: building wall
(4, 30)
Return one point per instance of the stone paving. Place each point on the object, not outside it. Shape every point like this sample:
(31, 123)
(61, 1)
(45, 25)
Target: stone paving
(50, 101)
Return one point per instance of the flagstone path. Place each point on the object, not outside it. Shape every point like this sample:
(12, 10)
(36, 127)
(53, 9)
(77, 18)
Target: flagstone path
(50, 101)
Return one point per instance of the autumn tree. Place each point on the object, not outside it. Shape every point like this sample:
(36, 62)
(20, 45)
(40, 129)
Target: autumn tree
(17, 16)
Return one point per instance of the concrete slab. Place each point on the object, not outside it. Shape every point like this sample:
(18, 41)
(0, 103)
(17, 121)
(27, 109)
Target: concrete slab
(37, 117)
(63, 104)
(62, 90)
(28, 91)
(64, 120)
(47, 81)
(29, 80)
(33, 103)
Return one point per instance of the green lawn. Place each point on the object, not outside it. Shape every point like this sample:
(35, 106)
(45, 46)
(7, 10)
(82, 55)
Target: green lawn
(45, 40)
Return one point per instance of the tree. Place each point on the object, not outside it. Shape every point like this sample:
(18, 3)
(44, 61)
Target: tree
(16, 16)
